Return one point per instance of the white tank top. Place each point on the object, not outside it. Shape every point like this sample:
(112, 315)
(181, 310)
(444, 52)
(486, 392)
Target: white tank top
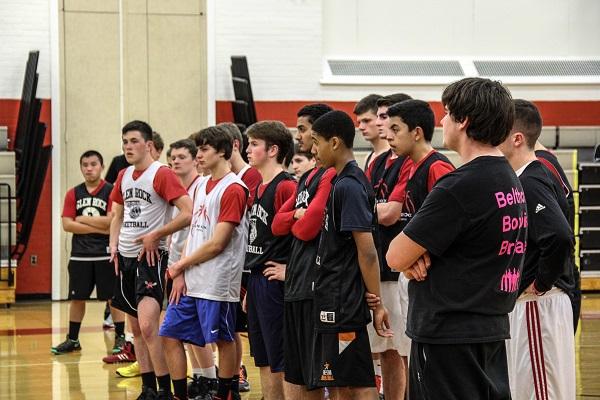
(220, 278)
(143, 210)
(178, 238)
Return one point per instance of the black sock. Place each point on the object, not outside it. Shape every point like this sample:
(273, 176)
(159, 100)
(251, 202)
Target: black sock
(164, 382)
(149, 380)
(120, 328)
(74, 330)
(180, 388)
(235, 384)
(224, 387)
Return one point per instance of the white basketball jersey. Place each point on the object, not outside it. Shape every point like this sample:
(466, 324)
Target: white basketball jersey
(220, 278)
(178, 238)
(143, 210)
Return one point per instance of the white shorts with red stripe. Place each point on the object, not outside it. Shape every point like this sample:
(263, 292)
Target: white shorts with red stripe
(541, 351)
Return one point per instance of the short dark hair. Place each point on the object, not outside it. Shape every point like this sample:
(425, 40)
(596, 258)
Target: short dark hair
(142, 127)
(391, 99)
(306, 154)
(313, 111)
(274, 133)
(92, 153)
(234, 131)
(528, 121)
(415, 113)
(366, 104)
(486, 104)
(184, 143)
(336, 123)
(217, 138)
(158, 141)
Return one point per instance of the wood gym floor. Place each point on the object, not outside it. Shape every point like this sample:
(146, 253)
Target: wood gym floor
(29, 371)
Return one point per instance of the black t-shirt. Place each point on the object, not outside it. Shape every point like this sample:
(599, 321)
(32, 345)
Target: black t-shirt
(551, 162)
(91, 244)
(117, 164)
(472, 283)
(549, 239)
(300, 269)
(339, 289)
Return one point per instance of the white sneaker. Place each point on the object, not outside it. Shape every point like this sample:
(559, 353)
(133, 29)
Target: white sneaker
(108, 323)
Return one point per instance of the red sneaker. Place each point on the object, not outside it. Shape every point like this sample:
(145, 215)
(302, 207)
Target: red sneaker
(125, 355)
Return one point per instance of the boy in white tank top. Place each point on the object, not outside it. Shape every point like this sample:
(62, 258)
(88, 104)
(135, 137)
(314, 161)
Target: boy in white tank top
(141, 199)
(206, 280)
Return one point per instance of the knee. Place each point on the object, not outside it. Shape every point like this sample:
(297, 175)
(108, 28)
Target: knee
(170, 343)
(148, 329)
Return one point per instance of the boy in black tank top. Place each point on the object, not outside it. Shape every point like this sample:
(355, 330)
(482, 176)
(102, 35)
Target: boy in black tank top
(459, 303)
(301, 216)
(347, 266)
(87, 215)
(270, 142)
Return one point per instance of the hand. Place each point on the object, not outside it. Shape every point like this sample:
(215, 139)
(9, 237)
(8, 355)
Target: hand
(381, 322)
(418, 271)
(175, 269)
(150, 244)
(532, 290)
(275, 271)
(178, 290)
(244, 304)
(372, 300)
(114, 258)
(299, 213)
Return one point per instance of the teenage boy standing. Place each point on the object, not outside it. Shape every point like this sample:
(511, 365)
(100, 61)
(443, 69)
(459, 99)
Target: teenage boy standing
(347, 266)
(458, 308)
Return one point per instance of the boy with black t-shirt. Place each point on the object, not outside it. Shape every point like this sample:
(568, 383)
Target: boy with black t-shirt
(541, 349)
(573, 286)
(347, 266)
(459, 303)
(269, 143)
(366, 116)
(141, 198)
(302, 215)
(87, 214)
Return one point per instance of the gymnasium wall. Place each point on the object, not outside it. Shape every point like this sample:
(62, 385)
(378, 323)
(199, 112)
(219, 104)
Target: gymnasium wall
(25, 26)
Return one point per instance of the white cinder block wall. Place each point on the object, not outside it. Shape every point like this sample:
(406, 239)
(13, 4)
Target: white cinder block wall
(24, 26)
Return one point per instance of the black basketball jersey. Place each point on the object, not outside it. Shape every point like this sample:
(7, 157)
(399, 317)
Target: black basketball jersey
(300, 270)
(383, 181)
(339, 289)
(263, 246)
(92, 244)
(416, 187)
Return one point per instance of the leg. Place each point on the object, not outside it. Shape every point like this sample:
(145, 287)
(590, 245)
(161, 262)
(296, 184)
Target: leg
(148, 317)
(394, 378)
(239, 349)
(141, 350)
(176, 360)
(76, 311)
(272, 383)
(348, 393)
(292, 391)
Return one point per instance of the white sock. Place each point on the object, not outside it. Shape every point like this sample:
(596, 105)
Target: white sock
(377, 367)
(210, 372)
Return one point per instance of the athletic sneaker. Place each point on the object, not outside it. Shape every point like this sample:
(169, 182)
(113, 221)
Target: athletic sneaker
(147, 394)
(119, 344)
(164, 395)
(235, 396)
(244, 384)
(129, 371)
(67, 346)
(125, 355)
(108, 323)
(201, 386)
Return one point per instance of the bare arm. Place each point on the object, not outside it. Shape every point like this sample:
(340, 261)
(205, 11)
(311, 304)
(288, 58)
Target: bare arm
(100, 222)
(369, 269)
(389, 213)
(72, 226)
(209, 249)
(115, 228)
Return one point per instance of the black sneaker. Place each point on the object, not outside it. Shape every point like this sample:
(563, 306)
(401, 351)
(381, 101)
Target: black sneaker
(243, 381)
(164, 395)
(200, 387)
(147, 394)
(67, 346)
(193, 388)
(119, 344)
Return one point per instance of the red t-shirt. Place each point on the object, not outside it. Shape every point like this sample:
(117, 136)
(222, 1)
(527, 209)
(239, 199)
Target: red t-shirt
(233, 202)
(309, 226)
(438, 169)
(166, 184)
(70, 206)
(284, 190)
(251, 179)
